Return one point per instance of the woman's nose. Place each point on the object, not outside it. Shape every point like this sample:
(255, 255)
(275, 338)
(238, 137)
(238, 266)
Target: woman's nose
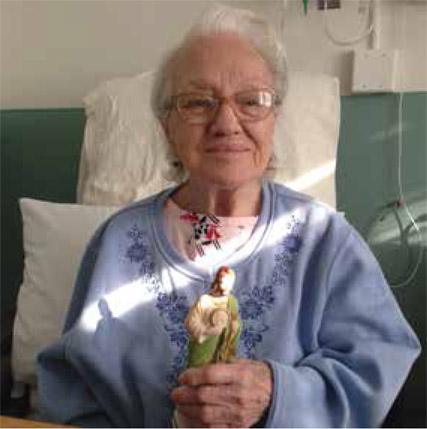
(225, 121)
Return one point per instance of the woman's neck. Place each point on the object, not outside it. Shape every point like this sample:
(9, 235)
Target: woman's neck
(240, 201)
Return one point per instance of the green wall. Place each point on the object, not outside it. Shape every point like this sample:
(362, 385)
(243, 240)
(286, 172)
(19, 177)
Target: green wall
(367, 182)
(40, 152)
(368, 153)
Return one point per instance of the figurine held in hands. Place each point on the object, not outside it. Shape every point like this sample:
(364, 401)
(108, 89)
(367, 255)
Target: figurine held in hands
(213, 323)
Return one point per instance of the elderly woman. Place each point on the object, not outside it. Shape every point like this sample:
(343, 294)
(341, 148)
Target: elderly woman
(323, 342)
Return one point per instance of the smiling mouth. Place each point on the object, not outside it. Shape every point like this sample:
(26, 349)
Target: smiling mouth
(227, 148)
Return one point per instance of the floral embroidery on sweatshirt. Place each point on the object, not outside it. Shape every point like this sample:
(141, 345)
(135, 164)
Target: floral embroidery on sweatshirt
(256, 301)
(172, 307)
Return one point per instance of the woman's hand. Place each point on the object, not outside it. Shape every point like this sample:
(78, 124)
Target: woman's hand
(224, 395)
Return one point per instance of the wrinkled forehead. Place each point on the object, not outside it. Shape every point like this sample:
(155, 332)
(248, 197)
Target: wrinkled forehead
(219, 62)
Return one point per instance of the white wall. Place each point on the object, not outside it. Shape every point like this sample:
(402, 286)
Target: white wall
(53, 52)
(402, 26)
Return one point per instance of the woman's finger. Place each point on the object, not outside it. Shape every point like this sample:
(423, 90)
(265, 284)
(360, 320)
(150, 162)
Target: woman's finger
(225, 394)
(219, 373)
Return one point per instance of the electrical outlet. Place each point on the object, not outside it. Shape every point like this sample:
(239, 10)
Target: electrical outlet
(374, 70)
(331, 4)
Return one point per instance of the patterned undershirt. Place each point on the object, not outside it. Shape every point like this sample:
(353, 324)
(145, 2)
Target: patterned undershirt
(206, 239)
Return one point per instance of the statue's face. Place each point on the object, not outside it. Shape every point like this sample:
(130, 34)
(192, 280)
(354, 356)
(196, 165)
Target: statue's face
(226, 283)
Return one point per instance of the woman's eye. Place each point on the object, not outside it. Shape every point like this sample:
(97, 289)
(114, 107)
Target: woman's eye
(257, 99)
(195, 103)
(249, 101)
(252, 102)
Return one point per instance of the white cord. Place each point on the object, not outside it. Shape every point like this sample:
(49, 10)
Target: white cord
(402, 201)
(353, 40)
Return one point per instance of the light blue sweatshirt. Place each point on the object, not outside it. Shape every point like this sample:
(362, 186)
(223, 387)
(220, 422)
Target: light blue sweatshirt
(312, 299)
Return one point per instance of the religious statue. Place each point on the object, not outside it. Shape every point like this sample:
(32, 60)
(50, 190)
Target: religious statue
(214, 326)
(213, 323)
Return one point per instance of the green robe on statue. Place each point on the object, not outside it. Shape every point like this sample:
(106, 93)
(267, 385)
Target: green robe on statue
(215, 348)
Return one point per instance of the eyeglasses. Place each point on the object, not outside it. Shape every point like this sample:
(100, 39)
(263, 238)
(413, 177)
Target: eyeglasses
(248, 106)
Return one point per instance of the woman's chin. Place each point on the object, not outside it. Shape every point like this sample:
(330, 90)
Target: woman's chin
(229, 178)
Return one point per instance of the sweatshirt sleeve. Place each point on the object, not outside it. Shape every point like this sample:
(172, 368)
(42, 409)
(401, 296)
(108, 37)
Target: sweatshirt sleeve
(74, 403)
(364, 352)
(79, 377)
(64, 396)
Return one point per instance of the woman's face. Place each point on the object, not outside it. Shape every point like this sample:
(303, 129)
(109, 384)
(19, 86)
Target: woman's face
(225, 151)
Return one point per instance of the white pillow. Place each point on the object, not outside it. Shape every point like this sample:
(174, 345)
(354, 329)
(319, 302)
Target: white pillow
(122, 159)
(307, 135)
(55, 236)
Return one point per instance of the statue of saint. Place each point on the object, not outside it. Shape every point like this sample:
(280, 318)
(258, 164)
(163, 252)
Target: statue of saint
(214, 326)
(213, 323)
